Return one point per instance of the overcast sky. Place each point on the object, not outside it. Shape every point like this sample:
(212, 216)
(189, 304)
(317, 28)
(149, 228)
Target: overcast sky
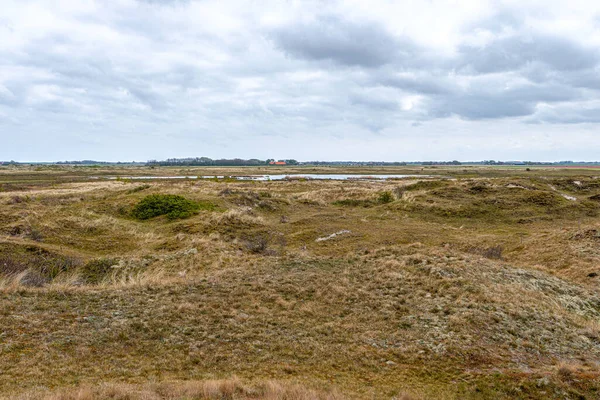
(311, 80)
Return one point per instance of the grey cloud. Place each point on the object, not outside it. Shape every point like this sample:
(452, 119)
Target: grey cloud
(99, 77)
(343, 42)
(515, 52)
(373, 102)
(477, 107)
(502, 19)
(548, 92)
(555, 67)
(7, 96)
(164, 2)
(428, 84)
(149, 97)
(588, 79)
(492, 102)
(567, 114)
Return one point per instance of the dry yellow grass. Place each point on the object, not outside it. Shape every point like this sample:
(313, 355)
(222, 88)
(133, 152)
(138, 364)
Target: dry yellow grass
(232, 389)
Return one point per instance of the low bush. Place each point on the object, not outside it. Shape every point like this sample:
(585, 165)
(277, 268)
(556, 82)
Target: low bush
(227, 192)
(39, 265)
(35, 234)
(139, 188)
(266, 205)
(353, 203)
(478, 188)
(10, 266)
(18, 199)
(595, 197)
(257, 244)
(540, 198)
(493, 253)
(171, 205)
(95, 271)
(385, 197)
(399, 192)
(424, 185)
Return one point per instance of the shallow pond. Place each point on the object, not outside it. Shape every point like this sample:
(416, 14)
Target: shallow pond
(340, 177)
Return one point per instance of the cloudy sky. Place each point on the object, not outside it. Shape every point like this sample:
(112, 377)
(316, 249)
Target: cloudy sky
(326, 80)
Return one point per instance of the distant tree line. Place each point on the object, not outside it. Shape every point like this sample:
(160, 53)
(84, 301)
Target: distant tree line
(355, 163)
(205, 161)
(493, 162)
(223, 162)
(441, 163)
(93, 162)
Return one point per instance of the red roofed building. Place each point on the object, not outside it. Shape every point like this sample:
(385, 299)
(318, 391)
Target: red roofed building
(277, 163)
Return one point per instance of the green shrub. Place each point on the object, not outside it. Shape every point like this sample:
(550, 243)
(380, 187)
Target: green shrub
(171, 205)
(385, 197)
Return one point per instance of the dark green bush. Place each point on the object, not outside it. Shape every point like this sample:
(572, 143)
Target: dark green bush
(171, 205)
(385, 197)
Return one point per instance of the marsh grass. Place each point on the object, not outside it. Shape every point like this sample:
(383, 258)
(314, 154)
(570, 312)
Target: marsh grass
(33, 266)
(447, 289)
(231, 389)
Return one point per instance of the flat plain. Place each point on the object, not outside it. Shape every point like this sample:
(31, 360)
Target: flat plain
(469, 282)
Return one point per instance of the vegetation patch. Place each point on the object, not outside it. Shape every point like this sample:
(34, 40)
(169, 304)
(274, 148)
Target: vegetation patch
(171, 205)
(385, 197)
(200, 390)
(35, 265)
(493, 252)
(139, 188)
(576, 185)
(425, 185)
(595, 197)
(257, 244)
(354, 203)
(94, 271)
(541, 198)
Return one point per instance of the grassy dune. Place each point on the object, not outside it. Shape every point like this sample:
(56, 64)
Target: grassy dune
(484, 285)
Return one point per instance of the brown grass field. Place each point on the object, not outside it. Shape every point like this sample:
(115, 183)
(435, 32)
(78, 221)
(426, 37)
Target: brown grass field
(476, 283)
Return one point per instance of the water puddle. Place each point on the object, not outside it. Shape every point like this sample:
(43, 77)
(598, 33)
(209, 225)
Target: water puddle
(290, 177)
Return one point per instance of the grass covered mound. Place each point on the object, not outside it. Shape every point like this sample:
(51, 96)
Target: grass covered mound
(171, 205)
